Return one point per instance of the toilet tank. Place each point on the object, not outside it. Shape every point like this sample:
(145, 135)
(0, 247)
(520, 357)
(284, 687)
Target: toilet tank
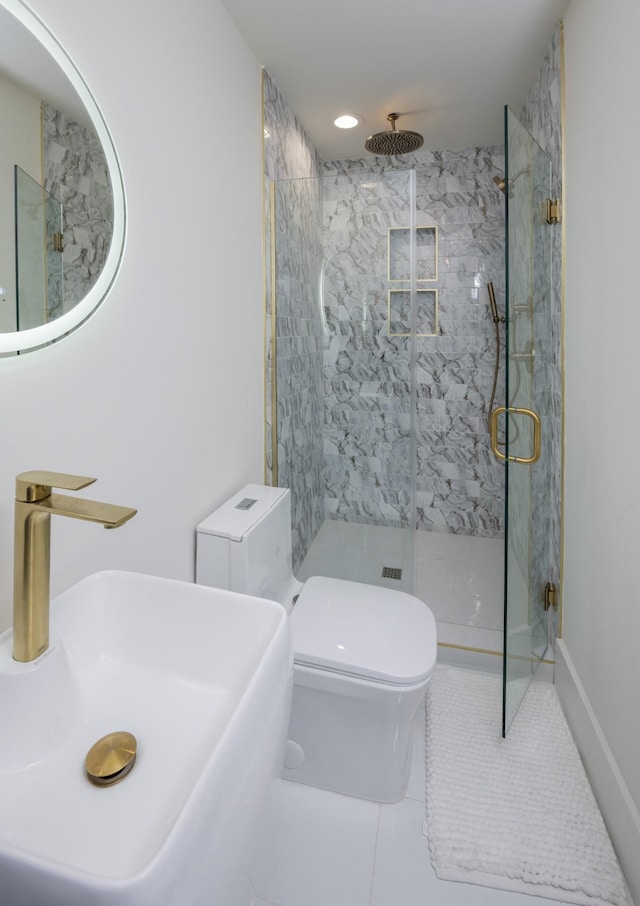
(245, 545)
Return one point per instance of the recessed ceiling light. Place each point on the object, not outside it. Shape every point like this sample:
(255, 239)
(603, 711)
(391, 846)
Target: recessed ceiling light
(348, 121)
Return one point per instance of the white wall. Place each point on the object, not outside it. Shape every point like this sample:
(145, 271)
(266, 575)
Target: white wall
(21, 144)
(602, 489)
(159, 395)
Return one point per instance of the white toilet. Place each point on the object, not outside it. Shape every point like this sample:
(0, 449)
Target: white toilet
(363, 655)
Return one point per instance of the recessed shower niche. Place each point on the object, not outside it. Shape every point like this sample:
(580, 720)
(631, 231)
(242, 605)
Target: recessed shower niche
(426, 253)
(408, 312)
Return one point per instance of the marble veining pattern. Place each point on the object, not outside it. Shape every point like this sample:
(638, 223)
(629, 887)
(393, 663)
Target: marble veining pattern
(76, 173)
(296, 247)
(542, 115)
(369, 462)
(368, 458)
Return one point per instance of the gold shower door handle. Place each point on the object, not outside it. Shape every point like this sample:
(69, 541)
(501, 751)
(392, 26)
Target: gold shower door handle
(526, 460)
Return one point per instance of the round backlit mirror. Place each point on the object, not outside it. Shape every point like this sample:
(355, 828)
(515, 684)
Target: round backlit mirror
(62, 219)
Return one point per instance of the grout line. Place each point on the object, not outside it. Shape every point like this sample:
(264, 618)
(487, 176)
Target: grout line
(375, 855)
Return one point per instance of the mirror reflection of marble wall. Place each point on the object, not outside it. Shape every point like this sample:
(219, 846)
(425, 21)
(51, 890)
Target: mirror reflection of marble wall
(76, 173)
(66, 158)
(76, 163)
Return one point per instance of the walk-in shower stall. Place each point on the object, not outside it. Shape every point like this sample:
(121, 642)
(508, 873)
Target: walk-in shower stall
(382, 358)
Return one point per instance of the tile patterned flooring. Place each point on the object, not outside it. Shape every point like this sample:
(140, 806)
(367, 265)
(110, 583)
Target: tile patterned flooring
(326, 849)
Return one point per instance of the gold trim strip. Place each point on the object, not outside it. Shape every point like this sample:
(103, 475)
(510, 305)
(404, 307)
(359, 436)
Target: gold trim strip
(563, 227)
(274, 344)
(489, 651)
(263, 183)
(469, 648)
(268, 302)
(42, 143)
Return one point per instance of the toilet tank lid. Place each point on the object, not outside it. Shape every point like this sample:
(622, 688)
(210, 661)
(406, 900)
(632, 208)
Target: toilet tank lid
(364, 630)
(235, 518)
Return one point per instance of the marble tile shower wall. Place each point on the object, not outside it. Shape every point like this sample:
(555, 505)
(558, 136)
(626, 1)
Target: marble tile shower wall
(296, 248)
(300, 340)
(542, 115)
(529, 307)
(367, 435)
(459, 484)
(76, 173)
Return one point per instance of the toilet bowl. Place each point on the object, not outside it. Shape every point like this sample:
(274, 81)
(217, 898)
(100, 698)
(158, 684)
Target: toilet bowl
(363, 655)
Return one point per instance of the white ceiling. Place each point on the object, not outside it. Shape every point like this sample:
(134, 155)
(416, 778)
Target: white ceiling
(448, 66)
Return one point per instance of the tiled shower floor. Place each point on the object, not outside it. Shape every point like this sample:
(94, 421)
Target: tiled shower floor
(460, 577)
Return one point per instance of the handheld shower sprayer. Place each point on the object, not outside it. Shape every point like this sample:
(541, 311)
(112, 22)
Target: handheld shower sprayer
(492, 303)
(494, 308)
(497, 320)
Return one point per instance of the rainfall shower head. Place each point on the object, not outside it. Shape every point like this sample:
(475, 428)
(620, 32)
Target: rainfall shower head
(395, 141)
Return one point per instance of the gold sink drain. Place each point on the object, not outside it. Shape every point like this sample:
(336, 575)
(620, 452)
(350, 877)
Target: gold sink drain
(111, 758)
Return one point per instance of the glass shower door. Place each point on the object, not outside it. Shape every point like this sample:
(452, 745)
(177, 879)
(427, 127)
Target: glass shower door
(38, 217)
(525, 418)
(343, 322)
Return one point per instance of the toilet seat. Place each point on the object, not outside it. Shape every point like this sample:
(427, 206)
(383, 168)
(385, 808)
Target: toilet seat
(374, 633)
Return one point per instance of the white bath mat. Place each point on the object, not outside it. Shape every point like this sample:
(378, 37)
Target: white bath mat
(515, 813)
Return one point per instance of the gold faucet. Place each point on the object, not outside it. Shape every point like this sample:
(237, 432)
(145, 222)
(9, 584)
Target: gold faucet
(35, 504)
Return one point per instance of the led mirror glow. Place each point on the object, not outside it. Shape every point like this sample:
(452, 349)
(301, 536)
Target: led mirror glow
(20, 341)
(348, 121)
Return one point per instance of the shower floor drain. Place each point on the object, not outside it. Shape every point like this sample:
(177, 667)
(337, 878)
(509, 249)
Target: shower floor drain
(391, 572)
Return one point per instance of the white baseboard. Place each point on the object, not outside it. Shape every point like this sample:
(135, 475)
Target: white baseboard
(618, 808)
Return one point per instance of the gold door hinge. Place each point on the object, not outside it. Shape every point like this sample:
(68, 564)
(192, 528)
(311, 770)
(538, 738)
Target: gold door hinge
(58, 245)
(550, 596)
(553, 211)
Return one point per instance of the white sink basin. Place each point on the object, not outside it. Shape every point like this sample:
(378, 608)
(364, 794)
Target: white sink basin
(202, 678)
